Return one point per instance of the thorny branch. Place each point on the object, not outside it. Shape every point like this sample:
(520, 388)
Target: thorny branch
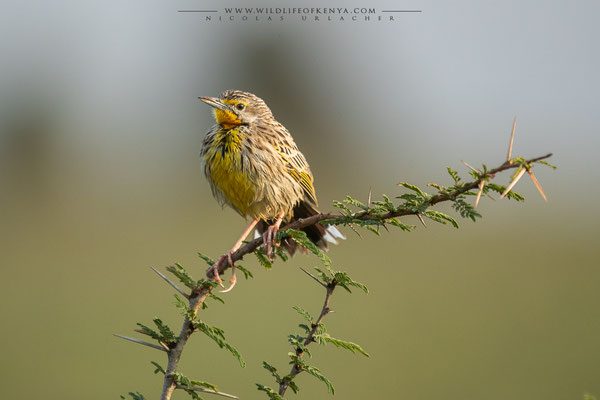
(304, 222)
(199, 295)
(296, 369)
(170, 384)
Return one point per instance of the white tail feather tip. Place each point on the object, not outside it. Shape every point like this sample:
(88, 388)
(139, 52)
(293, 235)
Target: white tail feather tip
(333, 231)
(328, 238)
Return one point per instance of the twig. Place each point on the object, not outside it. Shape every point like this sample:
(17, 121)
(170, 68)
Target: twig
(170, 383)
(305, 222)
(285, 383)
(154, 346)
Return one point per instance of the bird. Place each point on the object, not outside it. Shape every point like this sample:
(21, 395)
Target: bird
(254, 166)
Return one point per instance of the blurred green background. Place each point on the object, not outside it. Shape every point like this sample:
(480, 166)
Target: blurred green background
(100, 180)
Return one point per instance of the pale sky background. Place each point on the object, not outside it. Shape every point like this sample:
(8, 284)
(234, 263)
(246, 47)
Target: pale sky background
(100, 130)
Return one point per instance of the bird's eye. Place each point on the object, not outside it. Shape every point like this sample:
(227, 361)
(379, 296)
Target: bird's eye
(240, 106)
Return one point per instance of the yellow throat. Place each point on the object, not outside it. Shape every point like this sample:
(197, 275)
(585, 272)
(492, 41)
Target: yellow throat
(227, 119)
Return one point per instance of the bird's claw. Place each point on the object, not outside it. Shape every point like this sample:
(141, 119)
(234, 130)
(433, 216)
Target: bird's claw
(217, 277)
(270, 240)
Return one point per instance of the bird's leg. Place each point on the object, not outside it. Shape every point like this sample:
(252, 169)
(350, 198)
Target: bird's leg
(270, 235)
(227, 256)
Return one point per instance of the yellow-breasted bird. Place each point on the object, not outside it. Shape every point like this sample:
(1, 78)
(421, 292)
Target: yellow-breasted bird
(254, 166)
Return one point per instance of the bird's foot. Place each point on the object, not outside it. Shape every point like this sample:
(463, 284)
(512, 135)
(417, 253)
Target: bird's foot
(270, 240)
(217, 277)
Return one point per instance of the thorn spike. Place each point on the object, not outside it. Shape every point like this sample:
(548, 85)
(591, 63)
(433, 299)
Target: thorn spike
(171, 283)
(471, 168)
(314, 277)
(421, 219)
(513, 183)
(141, 342)
(481, 185)
(512, 138)
(537, 184)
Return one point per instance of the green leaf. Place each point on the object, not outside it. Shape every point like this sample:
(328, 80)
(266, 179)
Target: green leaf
(183, 307)
(454, 175)
(474, 174)
(304, 313)
(273, 395)
(247, 273)
(343, 279)
(193, 394)
(262, 259)
(338, 221)
(306, 328)
(218, 335)
(414, 189)
(356, 203)
(295, 388)
(396, 222)
(343, 207)
(500, 189)
(203, 384)
(147, 331)
(370, 228)
(546, 163)
(314, 371)
(465, 209)
(182, 275)
(440, 217)
(297, 342)
(323, 275)
(301, 238)
(284, 257)
(188, 385)
(438, 187)
(387, 203)
(217, 298)
(272, 370)
(167, 334)
(159, 368)
(353, 347)
(207, 259)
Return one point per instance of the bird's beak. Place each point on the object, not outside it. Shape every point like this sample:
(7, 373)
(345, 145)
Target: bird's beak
(214, 102)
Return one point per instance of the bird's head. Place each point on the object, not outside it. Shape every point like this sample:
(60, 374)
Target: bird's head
(234, 108)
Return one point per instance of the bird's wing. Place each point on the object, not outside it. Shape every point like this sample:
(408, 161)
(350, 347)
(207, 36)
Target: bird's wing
(296, 165)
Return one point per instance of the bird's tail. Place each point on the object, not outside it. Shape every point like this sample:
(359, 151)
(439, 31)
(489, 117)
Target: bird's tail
(317, 233)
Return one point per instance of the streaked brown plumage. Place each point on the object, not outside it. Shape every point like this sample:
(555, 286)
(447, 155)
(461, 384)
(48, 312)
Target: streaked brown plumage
(253, 165)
